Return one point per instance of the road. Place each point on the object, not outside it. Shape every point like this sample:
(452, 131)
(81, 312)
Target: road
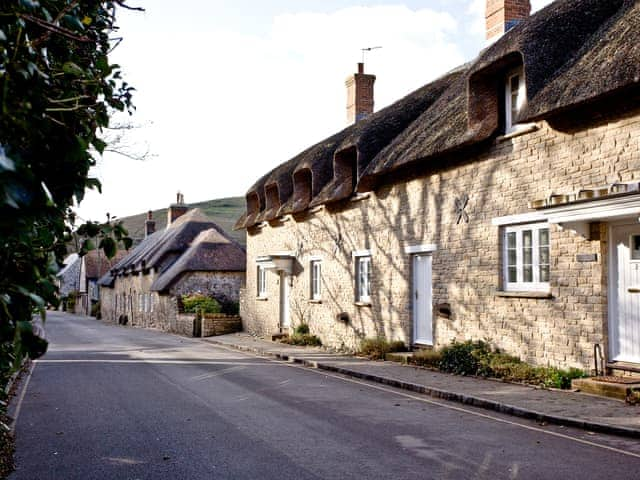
(109, 402)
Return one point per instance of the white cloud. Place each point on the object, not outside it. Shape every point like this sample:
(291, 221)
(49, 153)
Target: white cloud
(228, 107)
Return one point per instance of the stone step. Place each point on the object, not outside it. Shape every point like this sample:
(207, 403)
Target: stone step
(607, 387)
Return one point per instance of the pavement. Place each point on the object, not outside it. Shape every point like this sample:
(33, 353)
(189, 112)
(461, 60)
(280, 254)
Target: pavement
(567, 408)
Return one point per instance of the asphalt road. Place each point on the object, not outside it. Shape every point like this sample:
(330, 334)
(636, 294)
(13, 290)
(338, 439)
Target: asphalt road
(110, 402)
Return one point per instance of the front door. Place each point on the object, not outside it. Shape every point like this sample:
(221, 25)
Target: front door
(624, 322)
(285, 318)
(422, 308)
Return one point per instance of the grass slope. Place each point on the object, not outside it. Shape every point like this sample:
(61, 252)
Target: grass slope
(223, 211)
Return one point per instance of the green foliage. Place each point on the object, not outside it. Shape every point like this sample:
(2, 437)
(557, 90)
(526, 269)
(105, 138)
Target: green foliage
(302, 329)
(70, 302)
(304, 339)
(376, 348)
(230, 308)
(477, 358)
(426, 358)
(57, 89)
(200, 304)
(468, 358)
(95, 311)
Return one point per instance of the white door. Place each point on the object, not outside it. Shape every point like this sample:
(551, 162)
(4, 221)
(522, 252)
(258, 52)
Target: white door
(285, 318)
(422, 308)
(624, 322)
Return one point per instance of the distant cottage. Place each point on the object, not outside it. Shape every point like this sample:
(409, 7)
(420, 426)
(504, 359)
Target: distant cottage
(191, 256)
(498, 202)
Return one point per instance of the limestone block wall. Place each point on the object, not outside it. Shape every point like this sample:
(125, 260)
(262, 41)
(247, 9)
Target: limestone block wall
(499, 181)
(223, 286)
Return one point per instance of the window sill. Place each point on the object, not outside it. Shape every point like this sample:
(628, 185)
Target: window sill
(315, 301)
(362, 304)
(262, 299)
(520, 130)
(542, 295)
(360, 196)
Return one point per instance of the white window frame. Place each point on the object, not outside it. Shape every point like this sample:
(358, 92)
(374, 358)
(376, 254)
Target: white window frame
(520, 285)
(363, 288)
(262, 281)
(511, 127)
(316, 279)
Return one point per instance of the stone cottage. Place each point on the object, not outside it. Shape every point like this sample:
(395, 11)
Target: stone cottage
(93, 266)
(192, 255)
(68, 278)
(500, 202)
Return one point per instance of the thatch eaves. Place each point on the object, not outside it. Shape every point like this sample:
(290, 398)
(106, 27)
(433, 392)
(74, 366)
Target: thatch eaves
(210, 251)
(176, 238)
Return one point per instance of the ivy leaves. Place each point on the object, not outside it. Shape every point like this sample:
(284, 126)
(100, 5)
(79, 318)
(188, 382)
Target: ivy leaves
(57, 88)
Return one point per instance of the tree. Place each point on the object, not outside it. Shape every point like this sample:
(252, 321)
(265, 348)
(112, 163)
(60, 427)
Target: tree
(57, 88)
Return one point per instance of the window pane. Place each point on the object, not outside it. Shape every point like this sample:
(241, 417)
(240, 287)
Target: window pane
(527, 238)
(544, 256)
(511, 240)
(513, 274)
(544, 237)
(527, 273)
(544, 273)
(515, 84)
(512, 257)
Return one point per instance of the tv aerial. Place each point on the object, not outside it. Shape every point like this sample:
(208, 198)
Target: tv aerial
(367, 50)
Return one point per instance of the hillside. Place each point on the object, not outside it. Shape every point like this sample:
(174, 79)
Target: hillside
(223, 211)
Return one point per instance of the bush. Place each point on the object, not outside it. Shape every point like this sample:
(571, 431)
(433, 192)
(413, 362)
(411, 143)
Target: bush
(303, 339)
(302, 329)
(200, 304)
(559, 378)
(468, 358)
(70, 302)
(95, 311)
(229, 308)
(426, 358)
(376, 348)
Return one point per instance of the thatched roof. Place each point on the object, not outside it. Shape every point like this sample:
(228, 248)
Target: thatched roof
(572, 52)
(96, 263)
(156, 248)
(210, 252)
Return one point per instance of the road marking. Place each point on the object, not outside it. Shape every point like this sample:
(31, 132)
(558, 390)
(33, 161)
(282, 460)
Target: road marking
(23, 392)
(289, 363)
(463, 410)
(146, 361)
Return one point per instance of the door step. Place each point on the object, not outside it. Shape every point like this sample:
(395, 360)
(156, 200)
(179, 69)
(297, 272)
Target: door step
(621, 388)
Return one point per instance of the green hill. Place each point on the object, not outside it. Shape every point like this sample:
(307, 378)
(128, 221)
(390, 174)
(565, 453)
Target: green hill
(223, 211)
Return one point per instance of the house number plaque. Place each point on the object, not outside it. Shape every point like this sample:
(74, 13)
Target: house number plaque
(587, 257)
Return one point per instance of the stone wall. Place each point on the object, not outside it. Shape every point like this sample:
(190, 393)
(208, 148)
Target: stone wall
(499, 180)
(212, 324)
(223, 286)
(131, 298)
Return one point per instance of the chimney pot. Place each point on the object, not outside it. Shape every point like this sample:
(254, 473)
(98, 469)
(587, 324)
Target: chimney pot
(360, 67)
(177, 209)
(149, 224)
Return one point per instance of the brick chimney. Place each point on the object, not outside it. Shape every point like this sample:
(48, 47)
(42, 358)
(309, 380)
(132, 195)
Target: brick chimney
(359, 95)
(176, 209)
(502, 15)
(149, 225)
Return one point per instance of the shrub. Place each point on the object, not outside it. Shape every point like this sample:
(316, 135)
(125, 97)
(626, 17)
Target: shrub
(559, 378)
(229, 308)
(376, 348)
(200, 304)
(303, 339)
(302, 329)
(95, 311)
(70, 303)
(468, 358)
(426, 358)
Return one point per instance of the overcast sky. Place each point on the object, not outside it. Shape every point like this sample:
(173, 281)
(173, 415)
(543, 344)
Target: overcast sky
(227, 90)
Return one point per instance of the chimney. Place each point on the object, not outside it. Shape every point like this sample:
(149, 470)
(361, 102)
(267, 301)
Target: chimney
(502, 15)
(359, 95)
(149, 225)
(176, 209)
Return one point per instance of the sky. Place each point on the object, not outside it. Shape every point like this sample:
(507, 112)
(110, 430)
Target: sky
(228, 90)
